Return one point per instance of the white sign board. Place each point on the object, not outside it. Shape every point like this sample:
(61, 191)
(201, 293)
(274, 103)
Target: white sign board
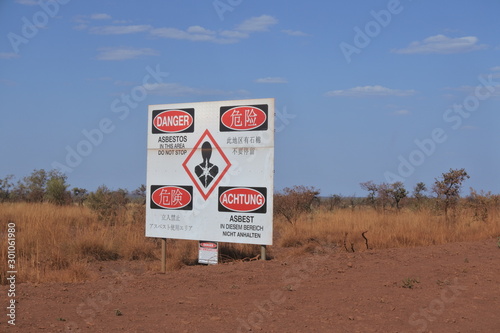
(210, 169)
(208, 253)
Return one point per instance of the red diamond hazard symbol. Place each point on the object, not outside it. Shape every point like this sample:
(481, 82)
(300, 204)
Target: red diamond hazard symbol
(206, 165)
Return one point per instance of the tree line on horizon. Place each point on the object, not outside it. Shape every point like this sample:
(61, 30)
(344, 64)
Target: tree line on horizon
(51, 186)
(443, 195)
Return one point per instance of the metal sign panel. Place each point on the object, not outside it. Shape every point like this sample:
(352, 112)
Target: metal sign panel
(210, 169)
(208, 253)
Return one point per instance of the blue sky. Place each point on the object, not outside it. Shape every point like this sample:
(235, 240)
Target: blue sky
(365, 90)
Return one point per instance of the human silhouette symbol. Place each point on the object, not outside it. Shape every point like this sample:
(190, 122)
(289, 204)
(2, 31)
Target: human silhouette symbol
(206, 171)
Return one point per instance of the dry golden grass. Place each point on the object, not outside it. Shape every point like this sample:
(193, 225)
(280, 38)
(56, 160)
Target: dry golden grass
(405, 228)
(59, 243)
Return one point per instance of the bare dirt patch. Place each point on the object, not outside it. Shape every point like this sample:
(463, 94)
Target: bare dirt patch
(444, 288)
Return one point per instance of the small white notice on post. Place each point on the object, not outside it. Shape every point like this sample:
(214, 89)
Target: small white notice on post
(210, 171)
(208, 253)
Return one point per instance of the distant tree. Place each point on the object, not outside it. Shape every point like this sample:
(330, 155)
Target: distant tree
(372, 189)
(292, 202)
(448, 188)
(419, 190)
(79, 195)
(384, 194)
(19, 192)
(419, 194)
(120, 197)
(140, 192)
(353, 202)
(34, 185)
(56, 190)
(397, 192)
(41, 186)
(106, 203)
(480, 202)
(98, 198)
(335, 201)
(5, 188)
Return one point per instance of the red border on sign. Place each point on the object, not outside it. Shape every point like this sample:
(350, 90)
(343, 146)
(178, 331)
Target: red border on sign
(195, 148)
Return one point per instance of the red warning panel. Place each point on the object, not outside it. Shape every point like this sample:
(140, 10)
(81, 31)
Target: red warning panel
(171, 197)
(243, 118)
(242, 199)
(173, 121)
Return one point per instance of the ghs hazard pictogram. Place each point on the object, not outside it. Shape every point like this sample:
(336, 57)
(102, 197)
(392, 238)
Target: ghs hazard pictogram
(206, 165)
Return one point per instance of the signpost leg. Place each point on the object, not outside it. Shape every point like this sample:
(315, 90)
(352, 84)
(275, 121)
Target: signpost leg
(262, 252)
(163, 255)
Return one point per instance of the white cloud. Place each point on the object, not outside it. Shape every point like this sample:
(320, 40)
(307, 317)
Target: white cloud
(195, 34)
(8, 55)
(402, 112)
(234, 34)
(370, 91)
(100, 16)
(494, 90)
(295, 33)
(124, 53)
(495, 69)
(176, 90)
(441, 44)
(119, 30)
(119, 27)
(196, 29)
(271, 80)
(122, 21)
(200, 34)
(260, 23)
(81, 19)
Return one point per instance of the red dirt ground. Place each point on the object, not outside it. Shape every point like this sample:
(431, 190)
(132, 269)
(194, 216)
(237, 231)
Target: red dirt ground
(454, 288)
